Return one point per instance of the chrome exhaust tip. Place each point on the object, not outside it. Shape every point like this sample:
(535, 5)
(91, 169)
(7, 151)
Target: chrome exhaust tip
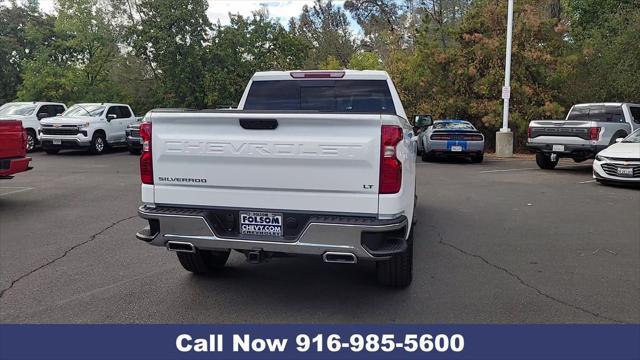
(339, 258)
(179, 246)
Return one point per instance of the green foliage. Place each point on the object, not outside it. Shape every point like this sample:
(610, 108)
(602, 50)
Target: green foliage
(331, 63)
(462, 77)
(596, 15)
(446, 57)
(365, 61)
(247, 45)
(606, 60)
(23, 29)
(326, 29)
(172, 35)
(76, 63)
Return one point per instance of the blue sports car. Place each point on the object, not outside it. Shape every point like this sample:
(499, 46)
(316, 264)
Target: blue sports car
(452, 138)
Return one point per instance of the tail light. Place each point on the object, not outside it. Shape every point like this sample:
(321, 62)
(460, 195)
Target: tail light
(473, 137)
(594, 133)
(24, 139)
(529, 132)
(464, 137)
(317, 74)
(440, 137)
(390, 166)
(146, 159)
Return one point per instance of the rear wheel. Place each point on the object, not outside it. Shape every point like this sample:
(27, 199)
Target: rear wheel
(544, 161)
(31, 140)
(134, 151)
(203, 261)
(397, 272)
(52, 151)
(426, 156)
(619, 134)
(477, 158)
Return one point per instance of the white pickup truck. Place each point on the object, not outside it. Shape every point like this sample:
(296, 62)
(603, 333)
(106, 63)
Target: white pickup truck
(318, 163)
(93, 127)
(30, 114)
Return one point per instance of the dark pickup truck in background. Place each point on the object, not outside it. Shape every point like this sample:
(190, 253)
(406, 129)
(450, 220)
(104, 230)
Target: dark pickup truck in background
(13, 149)
(134, 141)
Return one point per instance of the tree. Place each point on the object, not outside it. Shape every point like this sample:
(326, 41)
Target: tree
(331, 63)
(375, 16)
(76, 64)
(462, 77)
(382, 23)
(23, 29)
(587, 16)
(172, 35)
(247, 45)
(605, 62)
(326, 29)
(365, 61)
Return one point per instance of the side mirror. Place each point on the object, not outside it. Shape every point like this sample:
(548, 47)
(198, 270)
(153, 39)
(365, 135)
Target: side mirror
(42, 115)
(111, 117)
(422, 121)
(619, 140)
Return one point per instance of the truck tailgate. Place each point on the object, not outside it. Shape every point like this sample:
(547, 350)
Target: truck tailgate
(308, 162)
(560, 128)
(11, 139)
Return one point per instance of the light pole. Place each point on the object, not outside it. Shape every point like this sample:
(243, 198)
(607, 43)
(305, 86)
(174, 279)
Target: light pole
(504, 137)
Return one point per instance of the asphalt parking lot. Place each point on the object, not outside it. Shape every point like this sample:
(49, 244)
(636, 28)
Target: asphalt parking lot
(497, 242)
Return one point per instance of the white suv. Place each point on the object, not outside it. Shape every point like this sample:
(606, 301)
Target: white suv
(87, 126)
(30, 113)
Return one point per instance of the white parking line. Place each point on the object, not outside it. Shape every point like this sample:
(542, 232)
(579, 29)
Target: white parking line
(525, 169)
(505, 170)
(15, 190)
(587, 182)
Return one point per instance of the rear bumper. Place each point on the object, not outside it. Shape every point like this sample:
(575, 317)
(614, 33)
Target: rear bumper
(570, 150)
(12, 166)
(366, 238)
(444, 147)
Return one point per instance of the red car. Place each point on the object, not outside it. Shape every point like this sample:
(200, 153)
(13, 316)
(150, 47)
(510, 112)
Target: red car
(13, 148)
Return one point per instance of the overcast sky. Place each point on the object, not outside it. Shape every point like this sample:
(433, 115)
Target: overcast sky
(219, 9)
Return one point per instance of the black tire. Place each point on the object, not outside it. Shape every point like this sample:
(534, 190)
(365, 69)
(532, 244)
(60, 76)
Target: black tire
(52, 151)
(98, 144)
(134, 151)
(426, 157)
(544, 161)
(32, 141)
(203, 262)
(397, 272)
(477, 158)
(619, 134)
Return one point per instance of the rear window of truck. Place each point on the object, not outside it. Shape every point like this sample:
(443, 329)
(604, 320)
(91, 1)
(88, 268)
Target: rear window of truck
(340, 96)
(597, 113)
